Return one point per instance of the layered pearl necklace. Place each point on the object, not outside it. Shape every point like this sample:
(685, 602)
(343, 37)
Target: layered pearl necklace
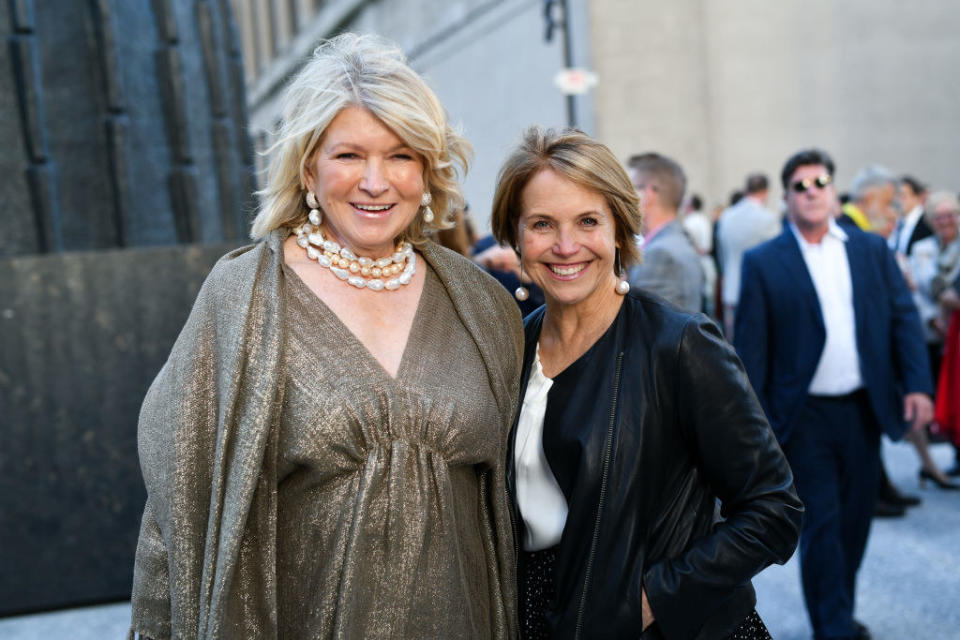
(380, 274)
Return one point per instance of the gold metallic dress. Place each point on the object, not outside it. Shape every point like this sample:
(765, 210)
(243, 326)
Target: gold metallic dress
(382, 527)
(295, 490)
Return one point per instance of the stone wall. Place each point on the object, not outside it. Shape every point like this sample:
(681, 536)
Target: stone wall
(728, 88)
(124, 125)
(82, 335)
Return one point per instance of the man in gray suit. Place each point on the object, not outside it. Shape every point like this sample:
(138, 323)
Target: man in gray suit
(671, 266)
(741, 227)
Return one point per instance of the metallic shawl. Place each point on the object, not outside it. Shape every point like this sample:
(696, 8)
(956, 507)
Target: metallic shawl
(205, 563)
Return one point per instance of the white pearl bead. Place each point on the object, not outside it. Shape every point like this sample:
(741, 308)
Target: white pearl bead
(315, 217)
(303, 242)
(375, 284)
(384, 262)
(315, 239)
(343, 274)
(354, 267)
(623, 287)
(376, 272)
(313, 253)
(521, 293)
(331, 246)
(324, 261)
(391, 284)
(357, 281)
(346, 253)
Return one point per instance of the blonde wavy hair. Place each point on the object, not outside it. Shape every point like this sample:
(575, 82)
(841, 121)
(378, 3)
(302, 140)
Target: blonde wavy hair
(371, 73)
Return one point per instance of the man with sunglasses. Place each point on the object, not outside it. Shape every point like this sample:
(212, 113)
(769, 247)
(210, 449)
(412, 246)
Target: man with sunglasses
(832, 344)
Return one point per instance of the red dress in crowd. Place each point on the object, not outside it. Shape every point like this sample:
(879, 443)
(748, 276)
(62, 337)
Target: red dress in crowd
(947, 409)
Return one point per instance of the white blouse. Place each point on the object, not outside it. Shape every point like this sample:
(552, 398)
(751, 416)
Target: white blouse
(542, 504)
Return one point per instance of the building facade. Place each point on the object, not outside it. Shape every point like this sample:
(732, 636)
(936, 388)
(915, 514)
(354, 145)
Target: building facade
(726, 88)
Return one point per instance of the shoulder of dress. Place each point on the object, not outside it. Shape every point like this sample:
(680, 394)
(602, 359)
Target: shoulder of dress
(460, 271)
(234, 275)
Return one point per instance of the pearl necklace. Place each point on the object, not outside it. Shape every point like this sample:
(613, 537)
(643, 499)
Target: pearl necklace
(380, 274)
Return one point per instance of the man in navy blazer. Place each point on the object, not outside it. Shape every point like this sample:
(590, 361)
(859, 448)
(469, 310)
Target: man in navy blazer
(832, 344)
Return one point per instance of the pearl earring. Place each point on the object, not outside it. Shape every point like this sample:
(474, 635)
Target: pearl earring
(425, 203)
(521, 293)
(316, 217)
(623, 287)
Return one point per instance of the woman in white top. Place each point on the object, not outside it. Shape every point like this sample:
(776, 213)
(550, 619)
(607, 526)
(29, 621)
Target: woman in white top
(636, 419)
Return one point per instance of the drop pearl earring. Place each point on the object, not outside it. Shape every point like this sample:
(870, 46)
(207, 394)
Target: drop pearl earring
(425, 203)
(521, 293)
(315, 216)
(623, 287)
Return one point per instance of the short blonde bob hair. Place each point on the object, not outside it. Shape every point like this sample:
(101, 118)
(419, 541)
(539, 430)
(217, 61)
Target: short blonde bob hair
(372, 73)
(580, 159)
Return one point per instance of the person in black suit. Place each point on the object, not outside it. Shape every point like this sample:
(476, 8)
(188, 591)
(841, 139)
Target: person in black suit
(912, 225)
(832, 343)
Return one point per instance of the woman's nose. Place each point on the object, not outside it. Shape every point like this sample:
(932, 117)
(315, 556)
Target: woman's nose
(566, 244)
(374, 180)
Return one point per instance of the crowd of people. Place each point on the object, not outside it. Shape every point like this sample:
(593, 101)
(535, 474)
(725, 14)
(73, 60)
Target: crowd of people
(356, 437)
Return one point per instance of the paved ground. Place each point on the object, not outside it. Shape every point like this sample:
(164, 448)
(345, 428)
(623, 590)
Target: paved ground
(909, 583)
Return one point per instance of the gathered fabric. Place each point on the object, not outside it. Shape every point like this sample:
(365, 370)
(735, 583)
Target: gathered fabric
(218, 438)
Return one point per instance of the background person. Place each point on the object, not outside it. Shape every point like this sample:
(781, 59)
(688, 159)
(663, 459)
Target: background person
(743, 226)
(323, 451)
(935, 264)
(829, 336)
(670, 266)
(635, 419)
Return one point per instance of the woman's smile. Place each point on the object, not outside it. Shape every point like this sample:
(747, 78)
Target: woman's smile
(375, 211)
(569, 271)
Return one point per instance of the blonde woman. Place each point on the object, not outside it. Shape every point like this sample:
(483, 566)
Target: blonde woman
(323, 451)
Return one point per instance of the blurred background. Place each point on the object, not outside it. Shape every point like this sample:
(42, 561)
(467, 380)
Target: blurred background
(134, 134)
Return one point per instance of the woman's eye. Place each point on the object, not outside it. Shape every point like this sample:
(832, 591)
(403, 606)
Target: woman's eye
(403, 156)
(345, 155)
(590, 222)
(540, 224)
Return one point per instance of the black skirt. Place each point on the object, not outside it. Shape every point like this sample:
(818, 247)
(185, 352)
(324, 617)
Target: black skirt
(537, 594)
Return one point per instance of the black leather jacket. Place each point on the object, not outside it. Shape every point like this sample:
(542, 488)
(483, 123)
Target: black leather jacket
(677, 427)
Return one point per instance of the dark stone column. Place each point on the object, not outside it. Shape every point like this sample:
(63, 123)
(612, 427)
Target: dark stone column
(127, 171)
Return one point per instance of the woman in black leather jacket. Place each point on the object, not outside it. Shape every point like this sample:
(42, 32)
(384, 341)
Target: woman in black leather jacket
(648, 488)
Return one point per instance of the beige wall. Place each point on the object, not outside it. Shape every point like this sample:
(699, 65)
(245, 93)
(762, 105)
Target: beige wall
(729, 87)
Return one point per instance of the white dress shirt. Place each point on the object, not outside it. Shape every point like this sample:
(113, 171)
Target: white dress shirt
(542, 504)
(838, 371)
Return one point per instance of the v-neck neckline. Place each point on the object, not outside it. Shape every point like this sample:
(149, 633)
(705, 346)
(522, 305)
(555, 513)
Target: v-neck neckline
(372, 363)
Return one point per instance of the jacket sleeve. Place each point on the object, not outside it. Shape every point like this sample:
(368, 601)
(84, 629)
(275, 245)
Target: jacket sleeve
(737, 455)
(659, 274)
(909, 348)
(750, 335)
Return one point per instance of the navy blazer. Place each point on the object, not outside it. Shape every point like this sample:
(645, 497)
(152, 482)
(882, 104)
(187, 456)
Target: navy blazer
(779, 331)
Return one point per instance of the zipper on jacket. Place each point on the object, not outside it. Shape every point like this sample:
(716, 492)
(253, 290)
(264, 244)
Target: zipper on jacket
(604, 474)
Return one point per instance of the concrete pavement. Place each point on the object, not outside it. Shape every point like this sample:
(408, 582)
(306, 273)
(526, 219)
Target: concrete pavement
(909, 585)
